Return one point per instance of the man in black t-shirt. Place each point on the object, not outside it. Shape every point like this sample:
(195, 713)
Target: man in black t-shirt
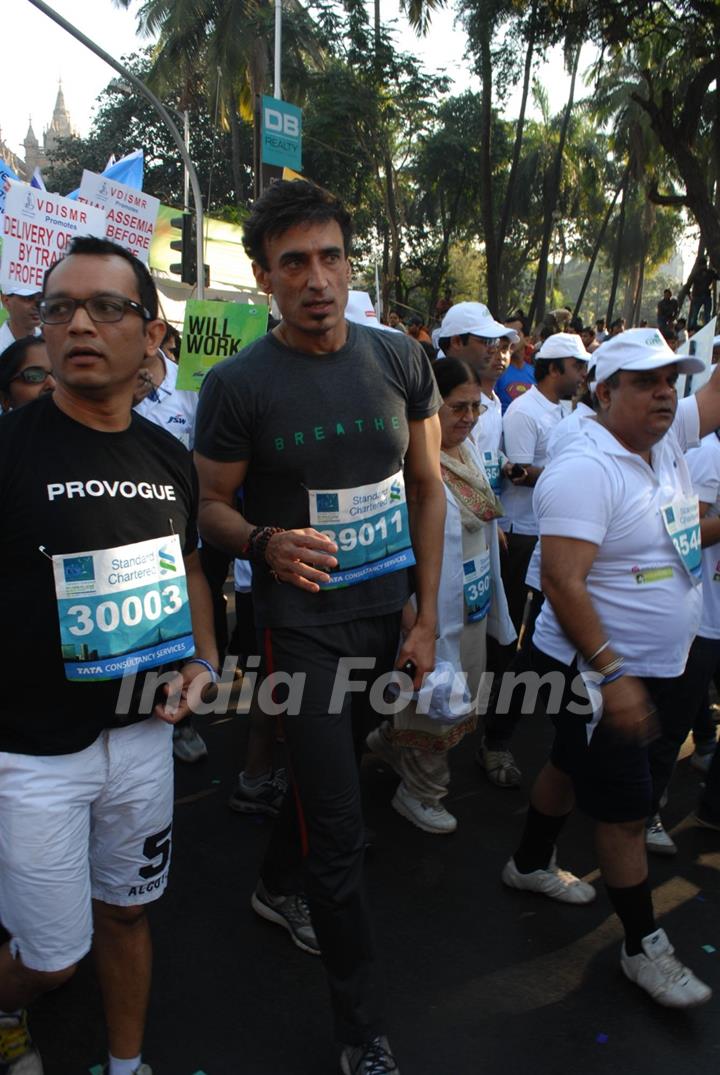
(331, 429)
(98, 569)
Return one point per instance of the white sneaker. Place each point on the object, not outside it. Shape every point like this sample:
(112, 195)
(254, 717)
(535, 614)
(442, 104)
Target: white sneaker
(659, 973)
(656, 838)
(430, 817)
(553, 882)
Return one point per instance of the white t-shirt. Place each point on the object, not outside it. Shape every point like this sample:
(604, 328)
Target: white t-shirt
(171, 408)
(704, 466)
(596, 490)
(527, 425)
(487, 438)
(560, 436)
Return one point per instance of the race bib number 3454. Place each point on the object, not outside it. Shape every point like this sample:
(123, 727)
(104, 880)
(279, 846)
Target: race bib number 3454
(369, 525)
(123, 609)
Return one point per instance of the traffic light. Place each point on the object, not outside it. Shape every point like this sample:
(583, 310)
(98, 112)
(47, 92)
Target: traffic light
(186, 268)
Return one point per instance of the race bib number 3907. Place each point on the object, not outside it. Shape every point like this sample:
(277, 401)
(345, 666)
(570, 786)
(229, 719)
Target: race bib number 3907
(123, 609)
(369, 525)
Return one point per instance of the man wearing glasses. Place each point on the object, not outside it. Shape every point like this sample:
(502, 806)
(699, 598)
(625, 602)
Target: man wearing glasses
(23, 318)
(98, 575)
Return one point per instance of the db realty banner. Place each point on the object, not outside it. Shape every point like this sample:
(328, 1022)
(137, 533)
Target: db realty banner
(37, 229)
(213, 331)
(130, 214)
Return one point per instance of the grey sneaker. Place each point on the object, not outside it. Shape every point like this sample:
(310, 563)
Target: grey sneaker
(188, 744)
(656, 838)
(499, 765)
(18, 1056)
(659, 973)
(290, 912)
(371, 1058)
(266, 798)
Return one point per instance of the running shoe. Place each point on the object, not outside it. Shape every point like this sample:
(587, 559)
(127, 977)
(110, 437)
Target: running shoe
(188, 744)
(290, 912)
(266, 798)
(430, 817)
(371, 1058)
(18, 1056)
(657, 839)
(499, 765)
(659, 973)
(552, 882)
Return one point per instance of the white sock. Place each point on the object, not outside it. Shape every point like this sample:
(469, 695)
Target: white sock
(123, 1067)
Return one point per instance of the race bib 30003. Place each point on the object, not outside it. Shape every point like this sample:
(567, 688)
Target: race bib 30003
(122, 610)
(369, 525)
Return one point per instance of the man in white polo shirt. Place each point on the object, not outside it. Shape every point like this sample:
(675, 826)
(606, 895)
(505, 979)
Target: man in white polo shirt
(560, 366)
(621, 567)
(23, 318)
(470, 332)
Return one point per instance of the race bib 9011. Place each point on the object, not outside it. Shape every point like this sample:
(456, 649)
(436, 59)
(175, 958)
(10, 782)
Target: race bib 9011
(369, 524)
(123, 609)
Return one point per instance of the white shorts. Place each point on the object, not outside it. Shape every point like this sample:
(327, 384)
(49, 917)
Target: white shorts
(77, 827)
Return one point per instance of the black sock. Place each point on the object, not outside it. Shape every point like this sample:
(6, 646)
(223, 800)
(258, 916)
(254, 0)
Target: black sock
(634, 908)
(538, 840)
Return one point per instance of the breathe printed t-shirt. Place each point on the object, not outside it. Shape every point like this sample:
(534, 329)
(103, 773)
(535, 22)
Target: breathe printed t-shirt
(704, 466)
(71, 489)
(596, 490)
(303, 421)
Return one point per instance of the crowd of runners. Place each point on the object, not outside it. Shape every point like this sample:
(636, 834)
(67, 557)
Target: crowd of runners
(429, 540)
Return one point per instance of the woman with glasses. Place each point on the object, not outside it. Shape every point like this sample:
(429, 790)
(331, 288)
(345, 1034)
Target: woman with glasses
(471, 601)
(25, 373)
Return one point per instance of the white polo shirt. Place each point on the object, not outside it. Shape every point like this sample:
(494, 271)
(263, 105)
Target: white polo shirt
(704, 466)
(487, 438)
(527, 425)
(596, 490)
(7, 338)
(171, 408)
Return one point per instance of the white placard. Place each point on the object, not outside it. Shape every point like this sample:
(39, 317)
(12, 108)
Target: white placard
(130, 213)
(37, 229)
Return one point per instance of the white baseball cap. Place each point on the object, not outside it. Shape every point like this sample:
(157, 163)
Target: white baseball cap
(475, 318)
(24, 292)
(640, 349)
(563, 345)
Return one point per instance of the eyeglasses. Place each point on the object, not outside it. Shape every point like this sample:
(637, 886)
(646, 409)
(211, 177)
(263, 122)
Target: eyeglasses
(460, 408)
(102, 309)
(489, 341)
(32, 375)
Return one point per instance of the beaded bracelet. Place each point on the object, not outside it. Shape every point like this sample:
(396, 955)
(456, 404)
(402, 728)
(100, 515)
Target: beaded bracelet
(256, 545)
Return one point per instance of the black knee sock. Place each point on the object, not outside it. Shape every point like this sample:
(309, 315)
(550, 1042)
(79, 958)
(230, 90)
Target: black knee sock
(634, 908)
(538, 840)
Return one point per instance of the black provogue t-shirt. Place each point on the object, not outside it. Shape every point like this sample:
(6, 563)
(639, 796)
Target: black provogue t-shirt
(326, 422)
(72, 489)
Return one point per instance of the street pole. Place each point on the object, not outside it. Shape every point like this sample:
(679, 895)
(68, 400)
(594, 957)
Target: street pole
(277, 91)
(164, 115)
(186, 174)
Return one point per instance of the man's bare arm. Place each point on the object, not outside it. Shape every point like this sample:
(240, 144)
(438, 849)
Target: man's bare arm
(565, 565)
(300, 557)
